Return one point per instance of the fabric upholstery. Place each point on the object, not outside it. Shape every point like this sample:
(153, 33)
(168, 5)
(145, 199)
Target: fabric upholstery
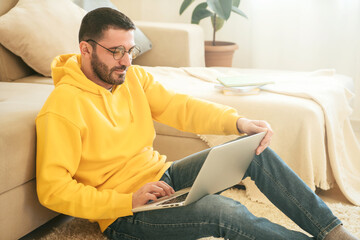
(48, 28)
(19, 107)
(12, 67)
(170, 131)
(21, 211)
(177, 147)
(175, 45)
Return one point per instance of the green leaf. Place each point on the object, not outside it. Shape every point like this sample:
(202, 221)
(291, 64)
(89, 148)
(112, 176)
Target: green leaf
(218, 24)
(238, 11)
(236, 3)
(200, 12)
(221, 7)
(185, 5)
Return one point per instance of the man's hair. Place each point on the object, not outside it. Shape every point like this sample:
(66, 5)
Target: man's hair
(99, 20)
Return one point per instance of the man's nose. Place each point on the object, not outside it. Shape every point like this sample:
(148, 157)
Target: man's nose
(126, 60)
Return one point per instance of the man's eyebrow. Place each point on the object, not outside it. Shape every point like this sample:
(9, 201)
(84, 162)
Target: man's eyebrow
(116, 46)
(121, 46)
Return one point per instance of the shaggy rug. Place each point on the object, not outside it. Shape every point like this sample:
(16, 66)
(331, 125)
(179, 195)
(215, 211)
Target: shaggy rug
(80, 229)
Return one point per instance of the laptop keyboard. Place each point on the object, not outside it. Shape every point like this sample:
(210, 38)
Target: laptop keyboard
(177, 199)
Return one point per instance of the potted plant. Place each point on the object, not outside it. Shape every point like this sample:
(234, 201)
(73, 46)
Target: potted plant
(217, 53)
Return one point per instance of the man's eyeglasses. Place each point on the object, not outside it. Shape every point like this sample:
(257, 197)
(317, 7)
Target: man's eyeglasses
(119, 52)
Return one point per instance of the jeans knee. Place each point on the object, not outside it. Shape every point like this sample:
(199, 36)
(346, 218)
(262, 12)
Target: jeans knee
(221, 209)
(268, 157)
(267, 161)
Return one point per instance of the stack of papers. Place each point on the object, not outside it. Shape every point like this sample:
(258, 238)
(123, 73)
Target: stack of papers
(248, 90)
(244, 84)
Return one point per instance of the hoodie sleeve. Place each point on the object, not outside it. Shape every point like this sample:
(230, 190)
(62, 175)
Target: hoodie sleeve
(187, 113)
(58, 157)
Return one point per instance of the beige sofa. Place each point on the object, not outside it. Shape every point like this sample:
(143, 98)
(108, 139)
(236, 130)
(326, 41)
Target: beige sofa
(299, 122)
(22, 94)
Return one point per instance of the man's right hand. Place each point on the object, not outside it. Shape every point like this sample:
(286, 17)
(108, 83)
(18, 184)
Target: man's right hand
(151, 191)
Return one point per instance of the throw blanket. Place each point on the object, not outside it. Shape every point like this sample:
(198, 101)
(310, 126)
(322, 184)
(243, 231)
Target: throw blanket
(308, 111)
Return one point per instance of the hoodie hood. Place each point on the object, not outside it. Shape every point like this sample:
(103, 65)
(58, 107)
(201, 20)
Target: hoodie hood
(66, 69)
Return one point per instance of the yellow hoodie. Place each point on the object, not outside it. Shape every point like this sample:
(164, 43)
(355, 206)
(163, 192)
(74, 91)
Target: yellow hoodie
(95, 147)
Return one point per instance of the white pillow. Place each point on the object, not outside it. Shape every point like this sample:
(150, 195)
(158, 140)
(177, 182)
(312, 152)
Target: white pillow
(39, 30)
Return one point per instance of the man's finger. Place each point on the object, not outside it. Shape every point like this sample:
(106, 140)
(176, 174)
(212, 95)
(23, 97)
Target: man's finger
(154, 189)
(260, 149)
(166, 187)
(265, 140)
(161, 188)
(149, 196)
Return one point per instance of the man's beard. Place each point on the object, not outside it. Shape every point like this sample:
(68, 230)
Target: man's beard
(106, 75)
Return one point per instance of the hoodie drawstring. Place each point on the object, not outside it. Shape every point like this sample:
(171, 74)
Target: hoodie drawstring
(130, 102)
(108, 110)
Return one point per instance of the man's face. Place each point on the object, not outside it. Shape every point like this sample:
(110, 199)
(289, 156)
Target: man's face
(103, 64)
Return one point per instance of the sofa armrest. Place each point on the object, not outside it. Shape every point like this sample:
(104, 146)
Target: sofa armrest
(173, 45)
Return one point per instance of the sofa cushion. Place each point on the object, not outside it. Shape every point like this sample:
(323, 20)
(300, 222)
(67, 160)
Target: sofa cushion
(19, 105)
(12, 67)
(36, 78)
(38, 31)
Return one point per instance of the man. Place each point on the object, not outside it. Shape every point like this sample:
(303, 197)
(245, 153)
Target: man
(95, 158)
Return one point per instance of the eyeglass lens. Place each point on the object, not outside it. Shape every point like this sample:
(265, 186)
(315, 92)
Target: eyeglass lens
(120, 52)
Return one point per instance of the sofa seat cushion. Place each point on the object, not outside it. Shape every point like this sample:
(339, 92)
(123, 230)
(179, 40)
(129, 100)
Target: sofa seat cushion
(19, 105)
(36, 78)
(162, 129)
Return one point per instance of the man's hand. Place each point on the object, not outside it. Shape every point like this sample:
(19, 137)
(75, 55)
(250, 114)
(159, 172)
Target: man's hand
(251, 127)
(151, 191)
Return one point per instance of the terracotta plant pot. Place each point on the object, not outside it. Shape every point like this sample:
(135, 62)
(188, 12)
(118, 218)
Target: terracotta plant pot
(220, 55)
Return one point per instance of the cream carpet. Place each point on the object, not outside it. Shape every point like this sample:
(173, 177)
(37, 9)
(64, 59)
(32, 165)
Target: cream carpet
(79, 229)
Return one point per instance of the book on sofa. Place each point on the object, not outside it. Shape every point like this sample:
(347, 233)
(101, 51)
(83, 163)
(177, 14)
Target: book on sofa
(243, 80)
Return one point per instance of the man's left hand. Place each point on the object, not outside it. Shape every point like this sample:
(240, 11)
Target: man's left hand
(251, 127)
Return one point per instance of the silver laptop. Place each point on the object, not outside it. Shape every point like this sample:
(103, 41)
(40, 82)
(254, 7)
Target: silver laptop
(224, 166)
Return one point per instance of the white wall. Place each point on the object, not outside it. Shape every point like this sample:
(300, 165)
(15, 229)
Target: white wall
(302, 35)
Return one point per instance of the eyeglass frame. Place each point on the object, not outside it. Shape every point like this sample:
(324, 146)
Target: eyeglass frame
(114, 51)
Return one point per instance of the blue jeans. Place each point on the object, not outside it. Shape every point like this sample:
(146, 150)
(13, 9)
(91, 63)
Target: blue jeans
(219, 216)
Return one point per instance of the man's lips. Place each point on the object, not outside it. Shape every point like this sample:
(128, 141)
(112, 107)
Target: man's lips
(120, 72)
(121, 69)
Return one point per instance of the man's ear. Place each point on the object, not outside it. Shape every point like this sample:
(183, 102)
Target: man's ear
(85, 48)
